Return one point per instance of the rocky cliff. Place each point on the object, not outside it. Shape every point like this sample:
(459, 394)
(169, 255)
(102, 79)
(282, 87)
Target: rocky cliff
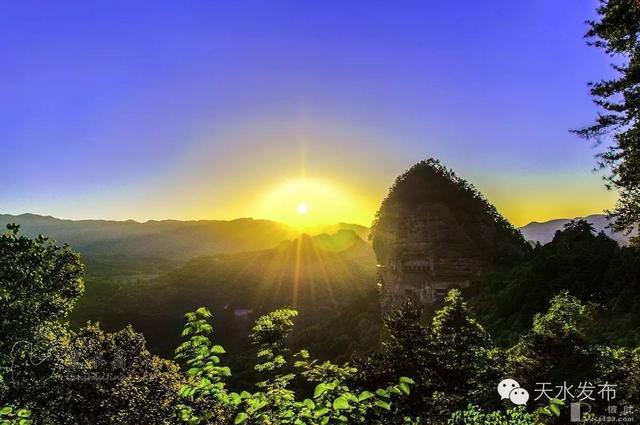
(434, 231)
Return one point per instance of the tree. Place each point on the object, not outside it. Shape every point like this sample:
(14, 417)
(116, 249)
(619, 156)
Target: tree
(401, 352)
(9, 415)
(206, 400)
(61, 376)
(92, 376)
(555, 349)
(106, 378)
(473, 415)
(39, 284)
(463, 357)
(429, 182)
(452, 361)
(622, 366)
(617, 32)
(592, 267)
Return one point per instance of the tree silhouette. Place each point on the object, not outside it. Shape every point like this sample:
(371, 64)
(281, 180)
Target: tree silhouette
(617, 32)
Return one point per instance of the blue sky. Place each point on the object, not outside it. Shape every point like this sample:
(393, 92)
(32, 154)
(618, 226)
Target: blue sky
(194, 109)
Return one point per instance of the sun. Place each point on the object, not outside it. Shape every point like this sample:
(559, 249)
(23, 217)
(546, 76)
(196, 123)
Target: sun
(303, 203)
(302, 208)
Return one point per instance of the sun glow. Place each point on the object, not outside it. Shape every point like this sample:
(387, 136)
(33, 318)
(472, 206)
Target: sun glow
(304, 203)
(302, 208)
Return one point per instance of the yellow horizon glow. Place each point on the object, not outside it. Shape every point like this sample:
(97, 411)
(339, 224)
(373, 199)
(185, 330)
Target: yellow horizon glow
(309, 202)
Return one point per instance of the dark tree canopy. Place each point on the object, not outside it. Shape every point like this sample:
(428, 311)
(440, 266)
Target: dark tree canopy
(617, 32)
(452, 360)
(430, 182)
(109, 378)
(39, 283)
(63, 376)
(590, 265)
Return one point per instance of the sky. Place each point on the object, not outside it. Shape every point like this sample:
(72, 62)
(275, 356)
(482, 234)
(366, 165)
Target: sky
(218, 110)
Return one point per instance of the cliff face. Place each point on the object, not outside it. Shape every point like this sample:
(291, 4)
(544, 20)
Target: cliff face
(435, 232)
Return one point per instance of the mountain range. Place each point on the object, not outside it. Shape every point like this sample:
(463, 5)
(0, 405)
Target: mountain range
(545, 231)
(167, 239)
(183, 240)
(174, 241)
(157, 245)
(149, 274)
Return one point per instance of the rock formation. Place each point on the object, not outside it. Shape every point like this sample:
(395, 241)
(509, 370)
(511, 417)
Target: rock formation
(434, 232)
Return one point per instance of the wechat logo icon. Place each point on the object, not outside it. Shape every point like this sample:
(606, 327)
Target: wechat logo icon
(510, 389)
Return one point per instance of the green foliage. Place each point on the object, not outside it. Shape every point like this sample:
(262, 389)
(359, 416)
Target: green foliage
(91, 376)
(39, 284)
(545, 353)
(9, 415)
(563, 318)
(462, 353)
(429, 182)
(12, 416)
(622, 366)
(207, 400)
(473, 415)
(204, 396)
(452, 361)
(106, 378)
(62, 376)
(592, 267)
(269, 335)
(617, 33)
(422, 373)
(333, 288)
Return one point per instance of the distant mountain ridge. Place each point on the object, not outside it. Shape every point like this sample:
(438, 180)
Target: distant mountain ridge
(178, 240)
(243, 266)
(544, 232)
(168, 239)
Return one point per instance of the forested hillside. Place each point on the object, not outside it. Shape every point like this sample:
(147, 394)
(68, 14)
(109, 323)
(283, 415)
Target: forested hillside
(425, 371)
(330, 279)
(589, 265)
(170, 240)
(545, 231)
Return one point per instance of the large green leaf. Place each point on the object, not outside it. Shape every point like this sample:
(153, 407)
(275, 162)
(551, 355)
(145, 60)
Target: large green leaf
(217, 349)
(341, 403)
(365, 395)
(319, 390)
(406, 380)
(383, 404)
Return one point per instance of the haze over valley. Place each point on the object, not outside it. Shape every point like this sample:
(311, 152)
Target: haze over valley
(148, 274)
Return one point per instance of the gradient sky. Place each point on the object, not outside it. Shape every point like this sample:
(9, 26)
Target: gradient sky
(211, 109)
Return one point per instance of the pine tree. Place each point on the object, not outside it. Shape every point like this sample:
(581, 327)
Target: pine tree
(617, 32)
